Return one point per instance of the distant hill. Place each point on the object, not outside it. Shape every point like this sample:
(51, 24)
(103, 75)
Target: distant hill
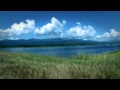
(52, 42)
(115, 40)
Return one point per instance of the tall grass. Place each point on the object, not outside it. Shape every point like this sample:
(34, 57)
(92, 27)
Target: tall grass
(82, 66)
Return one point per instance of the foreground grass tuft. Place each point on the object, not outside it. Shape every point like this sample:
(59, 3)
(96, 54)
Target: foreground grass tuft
(82, 66)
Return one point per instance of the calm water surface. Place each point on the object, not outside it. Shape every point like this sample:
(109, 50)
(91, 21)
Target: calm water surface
(64, 51)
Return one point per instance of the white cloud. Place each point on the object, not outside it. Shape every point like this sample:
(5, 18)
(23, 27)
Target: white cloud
(99, 36)
(78, 23)
(54, 28)
(18, 29)
(64, 22)
(109, 35)
(81, 32)
(12, 38)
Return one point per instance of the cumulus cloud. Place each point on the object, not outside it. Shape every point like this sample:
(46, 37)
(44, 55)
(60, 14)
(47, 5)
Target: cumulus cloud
(110, 35)
(12, 38)
(55, 27)
(18, 29)
(81, 31)
(78, 23)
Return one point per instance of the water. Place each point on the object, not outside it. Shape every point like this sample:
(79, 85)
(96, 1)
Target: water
(64, 51)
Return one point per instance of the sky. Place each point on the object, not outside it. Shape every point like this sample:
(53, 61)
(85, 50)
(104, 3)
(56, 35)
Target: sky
(87, 25)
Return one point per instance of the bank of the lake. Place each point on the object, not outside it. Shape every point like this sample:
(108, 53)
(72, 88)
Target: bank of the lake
(20, 65)
(63, 51)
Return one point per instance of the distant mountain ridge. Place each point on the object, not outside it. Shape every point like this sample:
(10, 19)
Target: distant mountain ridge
(53, 42)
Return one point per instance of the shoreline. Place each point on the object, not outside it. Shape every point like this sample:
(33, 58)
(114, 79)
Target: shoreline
(51, 46)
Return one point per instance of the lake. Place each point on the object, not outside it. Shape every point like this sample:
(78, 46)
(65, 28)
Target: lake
(64, 51)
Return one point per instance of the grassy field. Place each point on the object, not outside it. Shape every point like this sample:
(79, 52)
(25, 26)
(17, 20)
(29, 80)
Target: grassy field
(26, 66)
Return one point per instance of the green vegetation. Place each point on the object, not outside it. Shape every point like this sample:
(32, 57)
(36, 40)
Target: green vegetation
(27, 66)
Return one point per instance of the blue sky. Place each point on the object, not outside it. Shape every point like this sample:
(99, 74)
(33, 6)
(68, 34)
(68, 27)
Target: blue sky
(95, 25)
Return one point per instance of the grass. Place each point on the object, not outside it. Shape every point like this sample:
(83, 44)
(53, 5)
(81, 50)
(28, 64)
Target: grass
(82, 66)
